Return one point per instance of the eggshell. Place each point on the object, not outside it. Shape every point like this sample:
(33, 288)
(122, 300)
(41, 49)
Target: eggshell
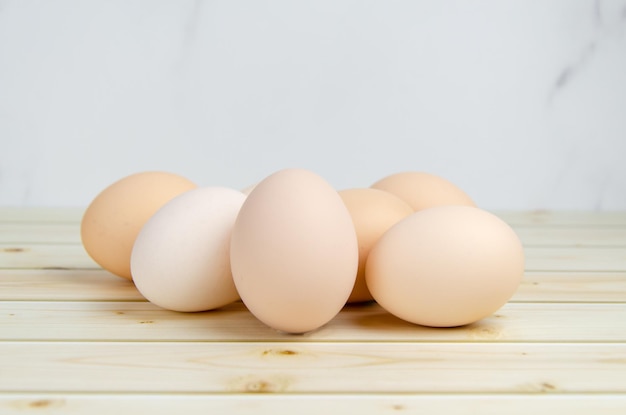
(423, 190)
(294, 252)
(246, 190)
(445, 266)
(112, 221)
(373, 212)
(180, 260)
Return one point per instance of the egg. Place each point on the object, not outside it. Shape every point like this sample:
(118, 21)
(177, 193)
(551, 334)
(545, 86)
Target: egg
(246, 190)
(373, 212)
(445, 266)
(180, 260)
(294, 252)
(423, 190)
(113, 219)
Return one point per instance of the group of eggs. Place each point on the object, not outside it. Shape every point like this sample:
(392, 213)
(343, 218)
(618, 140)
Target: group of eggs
(295, 250)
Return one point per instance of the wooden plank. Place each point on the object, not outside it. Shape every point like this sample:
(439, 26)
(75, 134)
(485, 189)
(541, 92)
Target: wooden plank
(45, 256)
(575, 259)
(41, 214)
(564, 236)
(16, 256)
(531, 235)
(554, 286)
(563, 218)
(100, 285)
(136, 321)
(39, 233)
(312, 367)
(514, 217)
(102, 348)
(65, 285)
(541, 236)
(450, 404)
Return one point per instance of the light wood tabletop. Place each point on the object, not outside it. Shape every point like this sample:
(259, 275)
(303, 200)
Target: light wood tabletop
(77, 339)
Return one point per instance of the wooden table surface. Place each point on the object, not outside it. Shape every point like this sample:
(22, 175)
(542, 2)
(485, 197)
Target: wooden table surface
(76, 339)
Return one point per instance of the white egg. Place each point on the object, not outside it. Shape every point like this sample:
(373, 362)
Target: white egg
(181, 258)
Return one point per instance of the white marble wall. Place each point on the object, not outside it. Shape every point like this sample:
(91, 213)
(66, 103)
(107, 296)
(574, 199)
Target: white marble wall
(520, 102)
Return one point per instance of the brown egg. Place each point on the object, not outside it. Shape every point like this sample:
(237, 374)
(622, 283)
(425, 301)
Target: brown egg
(114, 218)
(294, 251)
(373, 213)
(423, 190)
(445, 266)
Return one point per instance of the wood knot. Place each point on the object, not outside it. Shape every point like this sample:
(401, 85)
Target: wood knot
(260, 386)
(484, 332)
(254, 384)
(13, 250)
(41, 403)
(539, 387)
(36, 405)
(45, 403)
(279, 352)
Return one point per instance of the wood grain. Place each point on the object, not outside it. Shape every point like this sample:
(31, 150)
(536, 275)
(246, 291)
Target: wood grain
(312, 367)
(536, 217)
(100, 285)
(313, 404)
(39, 233)
(65, 285)
(530, 235)
(572, 286)
(76, 339)
(38, 256)
(136, 321)
(41, 214)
